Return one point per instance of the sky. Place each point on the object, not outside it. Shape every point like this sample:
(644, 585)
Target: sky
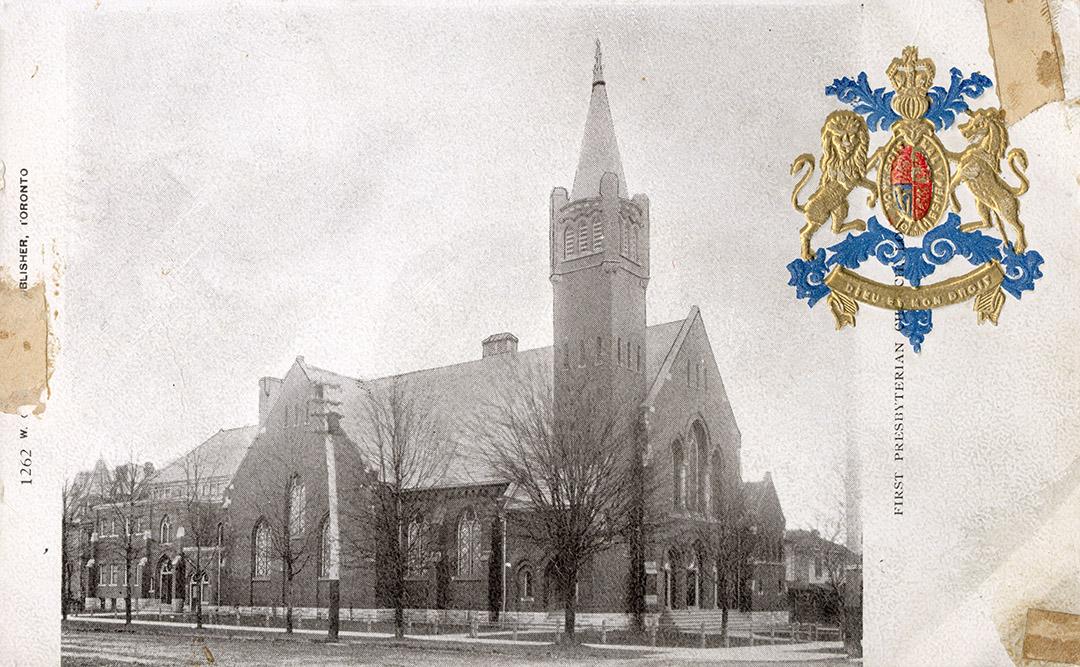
(369, 188)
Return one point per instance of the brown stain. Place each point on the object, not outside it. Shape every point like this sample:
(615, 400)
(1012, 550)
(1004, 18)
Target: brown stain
(26, 356)
(1048, 70)
(1027, 55)
(1052, 636)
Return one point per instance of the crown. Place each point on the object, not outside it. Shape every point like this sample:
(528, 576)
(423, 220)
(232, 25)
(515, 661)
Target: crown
(912, 77)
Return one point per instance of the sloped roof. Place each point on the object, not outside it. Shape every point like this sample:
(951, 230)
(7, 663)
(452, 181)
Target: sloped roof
(811, 540)
(219, 456)
(460, 390)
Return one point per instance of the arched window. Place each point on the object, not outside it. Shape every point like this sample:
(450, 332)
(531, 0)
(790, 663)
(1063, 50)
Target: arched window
(415, 553)
(261, 551)
(678, 475)
(220, 535)
(325, 549)
(165, 533)
(583, 237)
(297, 500)
(199, 587)
(568, 243)
(700, 457)
(693, 579)
(597, 234)
(468, 543)
(716, 476)
(692, 465)
(526, 585)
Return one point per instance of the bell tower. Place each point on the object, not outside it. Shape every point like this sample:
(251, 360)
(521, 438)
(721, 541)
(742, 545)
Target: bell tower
(599, 268)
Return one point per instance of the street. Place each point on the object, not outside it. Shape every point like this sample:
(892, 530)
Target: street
(95, 647)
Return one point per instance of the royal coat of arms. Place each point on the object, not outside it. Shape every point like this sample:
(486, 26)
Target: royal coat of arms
(917, 183)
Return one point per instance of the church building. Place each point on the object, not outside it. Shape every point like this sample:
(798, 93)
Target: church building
(295, 517)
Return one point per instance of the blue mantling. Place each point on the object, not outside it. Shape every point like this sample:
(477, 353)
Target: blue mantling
(876, 104)
(915, 325)
(939, 246)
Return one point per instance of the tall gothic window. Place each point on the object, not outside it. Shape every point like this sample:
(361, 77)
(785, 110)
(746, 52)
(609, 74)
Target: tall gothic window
(468, 543)
(692, 465)
(415, 553)
(692, 580)
(525, 583)
(568, 243)
(325, 549)
(716, 476)
(165, 534)
(597, 234)
(297, 500)
(678, 475)
(700, 457)
(261, 551)
(583, 237)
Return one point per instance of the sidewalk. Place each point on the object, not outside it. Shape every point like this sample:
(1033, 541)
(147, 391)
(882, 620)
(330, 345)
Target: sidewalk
(802, 653)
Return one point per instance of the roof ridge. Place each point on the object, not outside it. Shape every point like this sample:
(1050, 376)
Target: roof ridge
(669, 359)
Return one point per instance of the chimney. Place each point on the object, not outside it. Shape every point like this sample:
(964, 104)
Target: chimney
(500, 343)
(269, 388)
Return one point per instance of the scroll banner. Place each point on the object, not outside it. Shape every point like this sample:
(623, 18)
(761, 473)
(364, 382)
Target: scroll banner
(983, 284)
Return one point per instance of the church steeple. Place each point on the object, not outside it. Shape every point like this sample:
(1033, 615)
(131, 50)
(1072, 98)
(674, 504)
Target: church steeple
(599, 147)
(599, 268)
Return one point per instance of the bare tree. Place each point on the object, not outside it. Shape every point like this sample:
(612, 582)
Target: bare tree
(734, 540)
(843, 572)
(409, 450)
(201, 513)
(73, 498)
(125, 504)
(283, 498)
(577, 468)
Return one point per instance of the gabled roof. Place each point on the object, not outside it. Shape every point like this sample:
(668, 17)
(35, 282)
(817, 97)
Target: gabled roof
(811, 540)
(599, 148)
(761, 497)
(219, 456)
(458, 391)
(678, 331)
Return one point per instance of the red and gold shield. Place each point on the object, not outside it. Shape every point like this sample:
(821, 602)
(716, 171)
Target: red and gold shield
(913, 178)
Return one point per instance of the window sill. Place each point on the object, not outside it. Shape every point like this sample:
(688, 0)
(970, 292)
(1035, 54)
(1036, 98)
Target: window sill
(526, 599)
(255, 579)
(465, 579)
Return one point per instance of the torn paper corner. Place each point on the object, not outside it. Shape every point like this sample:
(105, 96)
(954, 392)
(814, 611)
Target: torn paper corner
(27, 347)
(1027, 54)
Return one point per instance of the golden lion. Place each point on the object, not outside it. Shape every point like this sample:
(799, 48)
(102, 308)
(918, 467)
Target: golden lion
(845, 141)
(979, 168)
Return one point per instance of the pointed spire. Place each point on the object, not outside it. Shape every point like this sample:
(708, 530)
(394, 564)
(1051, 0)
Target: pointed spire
(599, 147)
(598, 66)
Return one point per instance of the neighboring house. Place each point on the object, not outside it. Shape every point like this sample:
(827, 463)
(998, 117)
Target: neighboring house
(767, 585)
(176, 521)
(817, 569)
